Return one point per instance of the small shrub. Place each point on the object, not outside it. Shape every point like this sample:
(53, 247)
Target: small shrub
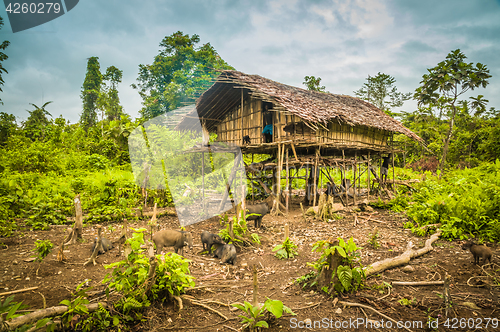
(286, 249)
(43, 248)
(251, 320)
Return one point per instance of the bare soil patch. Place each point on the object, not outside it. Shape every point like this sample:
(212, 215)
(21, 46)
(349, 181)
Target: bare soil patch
(228, 284)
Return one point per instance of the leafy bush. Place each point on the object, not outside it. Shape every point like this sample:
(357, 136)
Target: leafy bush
(350, 272)
(286, 249)
(43, 248)
(129, 278)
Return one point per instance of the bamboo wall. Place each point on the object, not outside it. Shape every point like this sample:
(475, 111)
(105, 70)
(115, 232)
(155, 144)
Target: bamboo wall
(230, 129)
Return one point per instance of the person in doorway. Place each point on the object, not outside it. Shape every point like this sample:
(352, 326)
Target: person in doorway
(384, 170)
(267, 132)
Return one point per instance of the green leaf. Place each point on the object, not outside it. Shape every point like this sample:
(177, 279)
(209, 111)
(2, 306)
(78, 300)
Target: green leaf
(66, 303)
(13, 310)
(262, 323)
(275, 307)
(345, 276)
(239, 306)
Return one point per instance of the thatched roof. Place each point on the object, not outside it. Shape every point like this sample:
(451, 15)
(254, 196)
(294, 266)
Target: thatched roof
(312, 106)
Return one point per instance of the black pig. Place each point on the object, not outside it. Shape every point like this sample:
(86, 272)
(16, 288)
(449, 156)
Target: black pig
(106, 245)
(172, 238)
(260, 210)
(227, 253)
(210, 239)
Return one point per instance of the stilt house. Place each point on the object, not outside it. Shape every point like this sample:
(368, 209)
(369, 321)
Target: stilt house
(323, 130)
(235, 108)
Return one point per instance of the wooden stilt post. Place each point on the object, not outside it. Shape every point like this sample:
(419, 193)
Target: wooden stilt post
(251, 182)
(345, 180)
(307, 182)
(287, 183)
(368, 177)
(359, 177)
(392, 157)
(241, 129)
(278, 176)
(315, 182)
(354, 179)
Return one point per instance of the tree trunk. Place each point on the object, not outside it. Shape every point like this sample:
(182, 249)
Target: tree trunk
(447, 141)
(76, 232)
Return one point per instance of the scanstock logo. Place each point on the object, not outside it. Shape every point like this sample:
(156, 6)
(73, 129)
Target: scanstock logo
(25, 14)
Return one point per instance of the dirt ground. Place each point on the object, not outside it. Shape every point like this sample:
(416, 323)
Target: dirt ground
(229, 284)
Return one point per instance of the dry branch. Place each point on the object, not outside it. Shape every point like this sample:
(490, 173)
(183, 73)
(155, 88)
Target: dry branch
(417, 283)
(404, 258)
(19, 291)
(207, 307)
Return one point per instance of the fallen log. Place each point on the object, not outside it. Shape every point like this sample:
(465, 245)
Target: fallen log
(404, 258)
(33, 317)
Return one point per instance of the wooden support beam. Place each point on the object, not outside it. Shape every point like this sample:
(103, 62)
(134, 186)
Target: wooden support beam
(294, 152)
(354, 177)
(368, 177)
(237, 161)
(287, 183)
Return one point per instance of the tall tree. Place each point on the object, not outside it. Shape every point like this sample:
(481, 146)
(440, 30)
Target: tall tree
(313, 83)
(7, 126)
(35, 127)
(451, 78)
(179, 73)
(110, 101)
(90, 93)
(381, 92)
(3, 57)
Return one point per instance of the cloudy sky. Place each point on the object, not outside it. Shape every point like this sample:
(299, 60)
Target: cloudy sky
(340, 41)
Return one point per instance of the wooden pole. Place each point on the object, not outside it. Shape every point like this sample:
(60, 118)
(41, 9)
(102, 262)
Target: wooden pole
(307, 182)
(354, 179)
(392, 157)
(315, 181)
(241, 131)
(287, 182)
(243, 203)
(230, 181)
(345, 180)
(368, 177)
